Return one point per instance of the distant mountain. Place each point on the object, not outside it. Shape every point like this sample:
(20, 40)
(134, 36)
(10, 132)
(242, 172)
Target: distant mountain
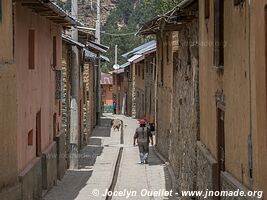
(87, 10)
(120, 20)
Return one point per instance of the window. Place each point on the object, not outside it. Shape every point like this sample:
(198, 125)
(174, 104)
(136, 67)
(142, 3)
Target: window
(207, 9)
(167, 48)
(31, 49)
(54, 51)
(0, 10)
(218, 33)
(38, 134)
(143, 72)
(155, 68)
(54, 125)
(30, 137)
(59, 106)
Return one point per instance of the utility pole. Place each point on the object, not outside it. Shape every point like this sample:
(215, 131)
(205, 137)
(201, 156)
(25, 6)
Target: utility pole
(74, 113)
(98, 22)
(98, 77)
(116, 55)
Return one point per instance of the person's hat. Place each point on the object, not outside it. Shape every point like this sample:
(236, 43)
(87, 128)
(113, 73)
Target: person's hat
(142, 122)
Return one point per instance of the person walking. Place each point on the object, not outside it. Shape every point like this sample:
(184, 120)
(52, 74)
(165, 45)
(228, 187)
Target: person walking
(114, 107)
(143, 136)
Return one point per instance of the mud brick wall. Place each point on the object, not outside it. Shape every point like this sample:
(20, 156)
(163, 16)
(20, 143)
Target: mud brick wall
(185, 108)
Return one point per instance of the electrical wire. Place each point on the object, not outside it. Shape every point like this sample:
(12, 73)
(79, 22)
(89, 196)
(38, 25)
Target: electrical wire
(118, 34)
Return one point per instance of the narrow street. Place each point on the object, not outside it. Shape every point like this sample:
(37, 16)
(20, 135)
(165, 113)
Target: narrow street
(97, 163)
(82, 82)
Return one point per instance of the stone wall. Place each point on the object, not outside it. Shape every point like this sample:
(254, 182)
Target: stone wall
(133, 91)
(140, 103)
(206, 171)
(163, 122)
(164, 92)
(91, 101)
(185, 108)
(150, 88)
(65, 109)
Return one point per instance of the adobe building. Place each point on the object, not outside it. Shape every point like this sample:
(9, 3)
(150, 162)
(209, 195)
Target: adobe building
(232, 146)
(9, 184)
(141, 61)
(31, 91)
(177, 107)
(106, 89)
(120, 89)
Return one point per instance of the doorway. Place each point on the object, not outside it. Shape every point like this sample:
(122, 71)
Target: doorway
(220, 141)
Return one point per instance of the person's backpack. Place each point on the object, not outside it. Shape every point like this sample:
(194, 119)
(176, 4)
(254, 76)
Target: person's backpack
(142, 135)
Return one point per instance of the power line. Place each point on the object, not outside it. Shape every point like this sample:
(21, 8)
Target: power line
(118, 34)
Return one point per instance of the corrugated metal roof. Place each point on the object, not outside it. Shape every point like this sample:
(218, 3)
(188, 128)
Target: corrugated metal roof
(135, 50)
(92, 55)
(152, 47)
(96, 48)
(125, 65)
(136, 58)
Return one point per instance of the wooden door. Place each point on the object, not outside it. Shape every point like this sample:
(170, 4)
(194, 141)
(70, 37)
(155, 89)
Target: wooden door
(220, 142)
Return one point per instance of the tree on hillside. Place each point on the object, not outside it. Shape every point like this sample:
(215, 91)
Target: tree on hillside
(126, 19)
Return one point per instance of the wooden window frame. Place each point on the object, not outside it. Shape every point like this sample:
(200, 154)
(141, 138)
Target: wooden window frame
(31, 48)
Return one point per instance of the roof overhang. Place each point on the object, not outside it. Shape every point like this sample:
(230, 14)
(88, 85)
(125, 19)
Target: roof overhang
(96, 48)
(136, 58)
(85, 36)
(72, 42)
(173, 20)
(125, 65)
(118, 71)
(140, 49)
(91, 55)
(51, 11)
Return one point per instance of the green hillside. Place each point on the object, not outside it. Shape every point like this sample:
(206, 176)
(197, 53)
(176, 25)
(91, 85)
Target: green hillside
(127, 18)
